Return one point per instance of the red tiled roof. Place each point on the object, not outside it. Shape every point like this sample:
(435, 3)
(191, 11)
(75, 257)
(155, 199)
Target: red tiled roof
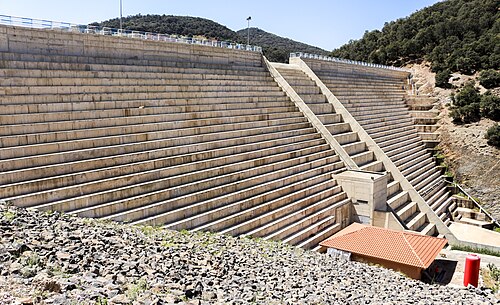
(398, 246)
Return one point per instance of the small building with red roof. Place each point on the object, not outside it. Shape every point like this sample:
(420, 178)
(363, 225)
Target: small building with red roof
(407, 252)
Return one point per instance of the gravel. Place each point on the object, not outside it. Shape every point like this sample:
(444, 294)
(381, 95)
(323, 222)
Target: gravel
(53, 258)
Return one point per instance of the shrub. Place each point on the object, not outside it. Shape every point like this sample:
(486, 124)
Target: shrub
(493, 135)
(442, 79)
(466, 105)
(489, 79)
(490, 106)
(466, 114)
(468, 95)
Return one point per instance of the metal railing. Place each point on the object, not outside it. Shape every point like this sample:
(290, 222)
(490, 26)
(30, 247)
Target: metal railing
(345, 61)
(107, 31)
(481, 209)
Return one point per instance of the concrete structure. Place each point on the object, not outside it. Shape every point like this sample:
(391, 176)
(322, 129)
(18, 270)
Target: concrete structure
(202, 138)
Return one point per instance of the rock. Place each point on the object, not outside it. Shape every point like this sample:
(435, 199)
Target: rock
(120, 299)
(25, 301)
(63, 255)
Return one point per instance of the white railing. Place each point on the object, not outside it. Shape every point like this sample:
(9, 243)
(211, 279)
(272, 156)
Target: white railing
(477, 204)
(345, 61)
(97, 30)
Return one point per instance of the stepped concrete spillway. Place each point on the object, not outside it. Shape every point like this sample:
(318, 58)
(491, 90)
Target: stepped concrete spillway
(191, 137)
(194, 137)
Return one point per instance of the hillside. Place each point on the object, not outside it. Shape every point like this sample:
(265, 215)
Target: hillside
(455, 35)
(52, 258)
(275, 48)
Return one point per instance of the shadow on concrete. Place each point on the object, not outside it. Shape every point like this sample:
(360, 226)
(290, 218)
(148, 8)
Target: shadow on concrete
(440, 272)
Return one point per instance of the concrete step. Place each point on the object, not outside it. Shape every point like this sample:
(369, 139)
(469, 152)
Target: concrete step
(428, 229)
(397, 139)
(390, 136)
(313, 241)
(130, 104)
(258, 220)
(127, 112)
(414, 163)
(392, 188)
(139, 95)
(346, 138)
(122, 80)
(373, 125)
(50, 177)
(186, 120)
(373, 166)
(331, 118)
(402, 149)
(364, 157)
(101, 148)
(418, 169)
(354, 148)
(338, 128)
(286, 190)
(53, 76)
(285, 227)
(323, 108)
(398, 199)
(420, 186)
(242, 122)
(112, 157)
(416, 221)
(185, 189)
(406, 210)
(423, 175)
(412, 154)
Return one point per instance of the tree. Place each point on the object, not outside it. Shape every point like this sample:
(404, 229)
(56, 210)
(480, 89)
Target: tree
(493, 135)
(490, 106)
(443, 79)
(489, 79)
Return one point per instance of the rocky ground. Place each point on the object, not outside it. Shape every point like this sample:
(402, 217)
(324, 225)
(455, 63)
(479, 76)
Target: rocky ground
(52, 258)
(474, 164)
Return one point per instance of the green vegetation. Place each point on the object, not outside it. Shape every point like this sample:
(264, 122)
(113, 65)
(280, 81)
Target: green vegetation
(9, 215)
(493, 135)
(466, 108)
(489, 79)
(491, 277)
(443, 78)
(476, 250)
(274, 47)
(469, 106)
(135, 290)
(455, 35)
(490, 106)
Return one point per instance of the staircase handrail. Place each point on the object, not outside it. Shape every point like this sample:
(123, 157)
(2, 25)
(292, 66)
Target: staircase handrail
(108, 31)
(481, 209)
(345, 61)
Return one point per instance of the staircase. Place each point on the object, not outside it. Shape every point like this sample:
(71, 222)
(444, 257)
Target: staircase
(200, 138)
(377, 101)
(399, 200)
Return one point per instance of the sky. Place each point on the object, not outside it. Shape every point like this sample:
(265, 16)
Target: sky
(322, 23)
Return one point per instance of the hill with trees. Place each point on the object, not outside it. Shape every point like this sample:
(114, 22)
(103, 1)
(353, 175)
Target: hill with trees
(454, 35)
(275, 48)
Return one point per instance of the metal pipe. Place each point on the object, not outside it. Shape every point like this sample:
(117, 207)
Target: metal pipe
(121, 16)
(248, 29)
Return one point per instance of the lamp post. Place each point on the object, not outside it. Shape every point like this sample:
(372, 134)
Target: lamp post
(248, 30)
(121, 16)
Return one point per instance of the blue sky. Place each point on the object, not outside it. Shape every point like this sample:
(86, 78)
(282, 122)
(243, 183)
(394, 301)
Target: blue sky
(327, 24)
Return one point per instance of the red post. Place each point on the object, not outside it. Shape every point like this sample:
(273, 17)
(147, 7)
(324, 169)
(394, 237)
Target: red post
(471, 272)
